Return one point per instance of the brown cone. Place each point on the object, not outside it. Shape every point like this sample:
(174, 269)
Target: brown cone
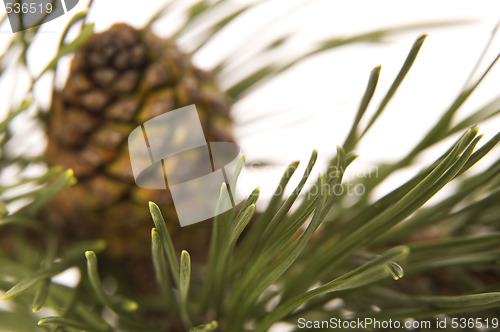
(119, 79)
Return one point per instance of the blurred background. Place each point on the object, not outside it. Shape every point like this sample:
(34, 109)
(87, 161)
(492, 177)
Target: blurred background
(312, 104)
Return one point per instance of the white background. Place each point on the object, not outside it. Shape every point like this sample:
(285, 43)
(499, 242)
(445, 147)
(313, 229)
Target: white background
(312, 105)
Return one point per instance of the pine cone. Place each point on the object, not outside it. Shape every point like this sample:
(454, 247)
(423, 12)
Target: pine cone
(119, 79)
